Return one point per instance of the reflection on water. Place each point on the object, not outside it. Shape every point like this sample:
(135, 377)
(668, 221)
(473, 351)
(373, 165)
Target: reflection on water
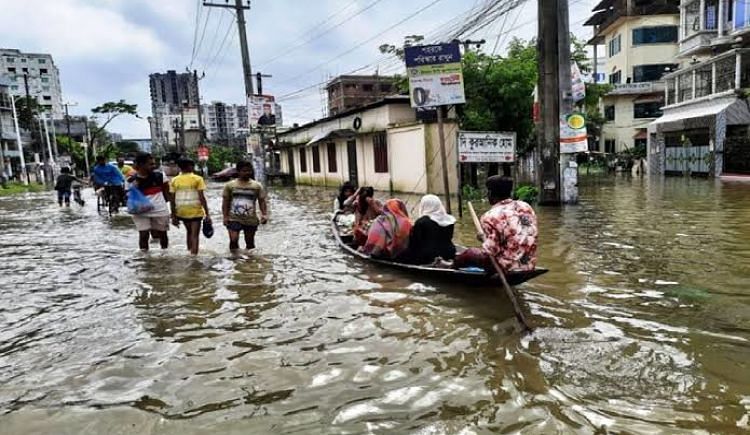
(642, 325)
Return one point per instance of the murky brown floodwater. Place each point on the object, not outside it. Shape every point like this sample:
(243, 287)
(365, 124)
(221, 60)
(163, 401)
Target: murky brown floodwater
(643, 326)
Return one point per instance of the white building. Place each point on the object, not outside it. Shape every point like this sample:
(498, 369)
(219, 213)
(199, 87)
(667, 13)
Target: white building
(641, 41)
(171, 128)
(382, 145)
(224, 121)
(706, 124)
(41, 74)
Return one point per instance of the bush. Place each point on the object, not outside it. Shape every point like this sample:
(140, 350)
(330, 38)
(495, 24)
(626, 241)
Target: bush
(526, 193)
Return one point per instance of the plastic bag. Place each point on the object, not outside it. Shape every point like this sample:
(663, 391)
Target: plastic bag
(208, 228)
(138, 203)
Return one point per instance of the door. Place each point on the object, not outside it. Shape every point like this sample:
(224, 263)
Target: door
(290, 161)
(351, 152)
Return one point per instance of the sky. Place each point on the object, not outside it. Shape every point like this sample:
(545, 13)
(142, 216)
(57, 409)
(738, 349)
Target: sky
(106, 49)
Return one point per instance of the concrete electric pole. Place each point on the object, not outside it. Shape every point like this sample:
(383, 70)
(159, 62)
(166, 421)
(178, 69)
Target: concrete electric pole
(239, 9)
(555, 97)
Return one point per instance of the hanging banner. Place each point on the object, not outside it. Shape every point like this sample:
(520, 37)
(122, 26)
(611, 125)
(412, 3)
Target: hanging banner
(573, 135)
(203, 153)
(578, 87)
(261, 110)
(435, 75)
(486, 147)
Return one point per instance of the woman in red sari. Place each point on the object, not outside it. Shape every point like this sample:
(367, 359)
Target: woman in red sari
(366, 209)
(389, 233)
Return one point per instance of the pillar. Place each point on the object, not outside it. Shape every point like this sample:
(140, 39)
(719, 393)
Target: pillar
(721, 18)
(738, 71)
(713, 78)
(702, 18)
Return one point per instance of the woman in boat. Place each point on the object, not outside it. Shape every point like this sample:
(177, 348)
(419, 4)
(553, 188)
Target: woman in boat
(366, 209)
(389, 233)
(344, 202)
(432, 235)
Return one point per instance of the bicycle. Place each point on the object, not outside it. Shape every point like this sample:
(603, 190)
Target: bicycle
(77, 195)
(110, 199)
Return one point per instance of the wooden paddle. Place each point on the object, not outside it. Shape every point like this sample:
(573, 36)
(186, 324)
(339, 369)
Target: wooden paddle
(508, 291)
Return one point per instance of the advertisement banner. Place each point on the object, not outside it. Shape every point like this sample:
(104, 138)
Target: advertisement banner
(435, 75)
(261, 110)
(486, 147)
(573, 135)
(203, 153)
(578, 87)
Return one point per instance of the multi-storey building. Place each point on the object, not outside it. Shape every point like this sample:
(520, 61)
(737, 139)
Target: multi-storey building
(351, 91)
(640, 38)
(706, 121)
(171, 93)
(39, 73)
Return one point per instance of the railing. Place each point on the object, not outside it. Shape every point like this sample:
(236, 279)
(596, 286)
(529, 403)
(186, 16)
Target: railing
(712, 77)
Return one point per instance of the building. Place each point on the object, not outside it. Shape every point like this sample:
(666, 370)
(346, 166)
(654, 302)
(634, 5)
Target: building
(144, 145)
(640, 38)
(351, 91)
(39, 72)
(705, 122)
(77, 125)
(381, 144)
(9, 155)
(225, 121)
(171, 127)
(171, 92)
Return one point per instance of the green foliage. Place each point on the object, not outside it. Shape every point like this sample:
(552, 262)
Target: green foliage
(28, 109)
(219, 157)
(110, 110)
(74, 149)
(526, 193)
(399, 51)
(470, 193)
(16, 188)
(127, 147)
(499, 91)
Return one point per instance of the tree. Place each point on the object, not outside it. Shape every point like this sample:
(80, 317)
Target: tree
(111, 110)
(128, 147)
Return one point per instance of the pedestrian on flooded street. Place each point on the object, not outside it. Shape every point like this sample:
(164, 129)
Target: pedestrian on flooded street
(189, 204)
(155, 187)
(63, 186)
(239, 206)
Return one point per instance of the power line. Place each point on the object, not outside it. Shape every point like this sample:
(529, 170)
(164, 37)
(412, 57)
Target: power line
(203, 34)
(222, 48)
(198, 13)
(215, 38)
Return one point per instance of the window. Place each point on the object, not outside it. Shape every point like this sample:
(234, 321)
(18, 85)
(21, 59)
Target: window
(655, 35)
(45, 80)
(45, 88)
(42, 70)
(651, 73)
(47, 98)
(615, 45)
(609, 113)
(651, 109)
(350, 86)
(23, 60)
(609, 146)
(332, 166)
(316, 159)
(385, 87)
(14, 87)
(302, 160)
(10, 59)
(42, 61)
(25, 70)
(380, 150)
(615, 78)
(368, 88)
(12, 70)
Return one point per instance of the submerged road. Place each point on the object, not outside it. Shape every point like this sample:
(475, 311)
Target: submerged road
(643, 325)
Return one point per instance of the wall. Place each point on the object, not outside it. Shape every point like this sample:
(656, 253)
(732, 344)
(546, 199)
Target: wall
(434, 163)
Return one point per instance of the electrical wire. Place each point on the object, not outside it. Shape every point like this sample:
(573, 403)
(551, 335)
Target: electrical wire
(198, 13)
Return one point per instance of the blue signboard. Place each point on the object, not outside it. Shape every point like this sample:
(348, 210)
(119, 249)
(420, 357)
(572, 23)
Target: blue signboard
(432, 54)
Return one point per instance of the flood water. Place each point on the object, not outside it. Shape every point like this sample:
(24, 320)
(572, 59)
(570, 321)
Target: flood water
(642, 325)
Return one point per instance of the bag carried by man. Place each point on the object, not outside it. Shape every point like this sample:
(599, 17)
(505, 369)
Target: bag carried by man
(138, 203)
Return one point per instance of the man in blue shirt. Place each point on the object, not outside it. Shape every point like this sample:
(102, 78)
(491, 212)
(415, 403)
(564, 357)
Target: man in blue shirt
(105, 174)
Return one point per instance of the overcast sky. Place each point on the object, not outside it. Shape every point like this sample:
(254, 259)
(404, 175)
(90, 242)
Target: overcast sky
(105, 49)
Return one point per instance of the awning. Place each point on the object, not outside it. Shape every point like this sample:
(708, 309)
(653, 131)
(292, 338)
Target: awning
(674, 118)
(331, 134)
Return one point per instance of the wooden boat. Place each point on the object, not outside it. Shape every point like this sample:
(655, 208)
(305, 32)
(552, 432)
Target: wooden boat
(469, 276)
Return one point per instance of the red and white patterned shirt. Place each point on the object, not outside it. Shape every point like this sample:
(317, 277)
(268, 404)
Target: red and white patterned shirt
(511, 230)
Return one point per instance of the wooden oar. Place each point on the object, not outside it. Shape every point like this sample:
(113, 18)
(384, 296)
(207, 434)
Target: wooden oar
(508, 291)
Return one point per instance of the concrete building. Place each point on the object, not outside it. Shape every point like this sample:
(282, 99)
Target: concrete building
(171, 92)
(641, 41)
(351, 91)
(169, 128)
(9, 155)
(381, 145)
(706, 121)
(224, 121)
(42, 76)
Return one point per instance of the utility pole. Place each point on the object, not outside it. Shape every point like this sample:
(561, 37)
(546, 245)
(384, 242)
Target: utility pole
(200, 116)
(24, 174)
(568, 164)
(239, 10)
(549, 99)
(259, 81)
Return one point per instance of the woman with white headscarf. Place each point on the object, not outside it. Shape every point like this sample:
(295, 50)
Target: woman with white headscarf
(432, 235)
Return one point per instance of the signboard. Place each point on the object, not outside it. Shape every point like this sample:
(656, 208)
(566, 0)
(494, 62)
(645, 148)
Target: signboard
(435, 75)
(633, 88)
(261, 110)
(573, 135)
(578, 87)
(203, 153)
(486, 147)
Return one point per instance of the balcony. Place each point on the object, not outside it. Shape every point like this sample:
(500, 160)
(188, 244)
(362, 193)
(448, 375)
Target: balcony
(722, 75)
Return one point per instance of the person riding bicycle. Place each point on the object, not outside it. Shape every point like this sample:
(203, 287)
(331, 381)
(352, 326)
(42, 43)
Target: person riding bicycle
(105, 174)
